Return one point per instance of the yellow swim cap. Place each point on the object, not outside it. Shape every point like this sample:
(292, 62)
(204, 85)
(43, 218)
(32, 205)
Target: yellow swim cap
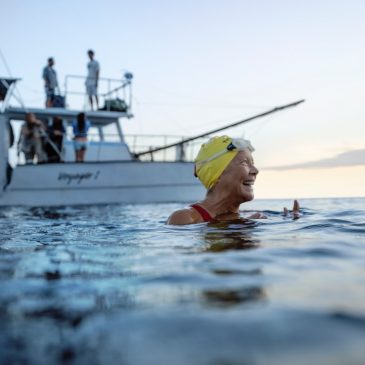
(215, 155)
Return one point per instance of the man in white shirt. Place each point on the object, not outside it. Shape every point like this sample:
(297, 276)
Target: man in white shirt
(93, 69)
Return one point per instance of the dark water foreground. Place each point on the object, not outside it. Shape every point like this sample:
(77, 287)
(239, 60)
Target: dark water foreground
(114, 285)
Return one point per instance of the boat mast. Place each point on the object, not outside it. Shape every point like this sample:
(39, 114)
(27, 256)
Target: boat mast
(274, 110)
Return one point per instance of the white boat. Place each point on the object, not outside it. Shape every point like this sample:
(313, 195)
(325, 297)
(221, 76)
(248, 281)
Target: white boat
(111, 173)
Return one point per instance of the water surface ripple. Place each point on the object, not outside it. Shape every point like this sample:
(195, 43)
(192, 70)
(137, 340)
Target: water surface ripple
(115, 285)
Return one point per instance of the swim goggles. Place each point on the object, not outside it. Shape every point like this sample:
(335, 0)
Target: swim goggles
(238, 144)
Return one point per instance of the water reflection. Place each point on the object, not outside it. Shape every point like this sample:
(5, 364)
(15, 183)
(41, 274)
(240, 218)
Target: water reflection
(230, 235)
(233, 235)
(74, 289)
(234, 272)
(233, 297)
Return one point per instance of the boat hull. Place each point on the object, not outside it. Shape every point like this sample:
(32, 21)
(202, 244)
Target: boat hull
(102, 183)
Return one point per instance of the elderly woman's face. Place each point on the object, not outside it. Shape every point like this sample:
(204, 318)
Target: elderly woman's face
(239, 177)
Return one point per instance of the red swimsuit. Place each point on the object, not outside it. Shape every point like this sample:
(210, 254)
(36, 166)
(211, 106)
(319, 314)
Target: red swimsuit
(204, 214)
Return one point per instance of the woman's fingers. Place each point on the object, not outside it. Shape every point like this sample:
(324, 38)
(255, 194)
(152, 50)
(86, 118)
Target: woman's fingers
(295, 211)
(296, 206)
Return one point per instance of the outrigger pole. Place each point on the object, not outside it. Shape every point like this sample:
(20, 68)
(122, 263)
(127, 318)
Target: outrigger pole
(276, 109)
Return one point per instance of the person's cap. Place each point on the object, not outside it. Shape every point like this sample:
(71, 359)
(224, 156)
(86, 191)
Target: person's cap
(215, 155)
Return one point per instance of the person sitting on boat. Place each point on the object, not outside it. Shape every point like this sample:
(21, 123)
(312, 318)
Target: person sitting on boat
(31, 139)
(54, 142)
(80, 129)
(225, 167)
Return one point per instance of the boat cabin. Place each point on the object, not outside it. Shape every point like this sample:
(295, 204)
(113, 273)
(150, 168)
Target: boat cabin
(106, 139)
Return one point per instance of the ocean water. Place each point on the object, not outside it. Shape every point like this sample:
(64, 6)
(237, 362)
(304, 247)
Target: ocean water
(115, 285)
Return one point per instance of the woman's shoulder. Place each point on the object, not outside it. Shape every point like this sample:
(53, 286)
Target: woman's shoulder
(184, 216)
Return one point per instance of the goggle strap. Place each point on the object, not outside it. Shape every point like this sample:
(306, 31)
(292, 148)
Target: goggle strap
(218, 154)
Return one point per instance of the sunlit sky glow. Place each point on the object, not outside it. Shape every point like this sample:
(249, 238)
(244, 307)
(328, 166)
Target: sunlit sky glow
(201, 64)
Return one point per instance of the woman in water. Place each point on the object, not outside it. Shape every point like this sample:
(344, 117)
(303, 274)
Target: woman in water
(80, 129)
(225, 167)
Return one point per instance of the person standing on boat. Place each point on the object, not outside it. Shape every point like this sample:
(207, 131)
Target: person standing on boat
(30, 139)
(54, 143)
(50, 82)
(80, 128)
(93, 70)
(225, 167)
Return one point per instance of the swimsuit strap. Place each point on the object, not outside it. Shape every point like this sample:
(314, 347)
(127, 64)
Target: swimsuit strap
(205, 215)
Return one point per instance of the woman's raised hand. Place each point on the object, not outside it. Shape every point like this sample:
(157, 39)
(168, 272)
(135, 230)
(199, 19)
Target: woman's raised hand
(295, 211)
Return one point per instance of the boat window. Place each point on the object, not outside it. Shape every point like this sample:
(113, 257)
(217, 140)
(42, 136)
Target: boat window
(93, 134)
(110, 133)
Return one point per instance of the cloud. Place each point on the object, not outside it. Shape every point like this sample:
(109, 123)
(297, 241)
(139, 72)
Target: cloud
(350, 158)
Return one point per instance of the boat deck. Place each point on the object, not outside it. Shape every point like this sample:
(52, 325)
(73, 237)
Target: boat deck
(100, 117)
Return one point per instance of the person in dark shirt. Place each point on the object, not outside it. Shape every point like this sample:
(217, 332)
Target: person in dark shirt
(54, 142)
(50, 82)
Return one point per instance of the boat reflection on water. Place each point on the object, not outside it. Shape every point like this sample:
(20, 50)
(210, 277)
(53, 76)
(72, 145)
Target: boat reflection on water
(49, 213)
(226, 236)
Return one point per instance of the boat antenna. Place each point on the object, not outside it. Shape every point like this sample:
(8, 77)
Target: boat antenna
(5, 63)
(19, 96)
(274, 110)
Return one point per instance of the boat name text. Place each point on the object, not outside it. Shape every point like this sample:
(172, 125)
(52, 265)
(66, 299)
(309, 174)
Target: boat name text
(79, 177)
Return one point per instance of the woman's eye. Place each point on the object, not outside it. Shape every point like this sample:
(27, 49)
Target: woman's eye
(246, 163)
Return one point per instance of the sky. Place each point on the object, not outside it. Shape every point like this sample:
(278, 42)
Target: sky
(201, 64)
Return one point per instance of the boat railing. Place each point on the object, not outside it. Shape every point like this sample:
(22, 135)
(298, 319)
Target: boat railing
(109, 90)
(109, 146)
(179, 152)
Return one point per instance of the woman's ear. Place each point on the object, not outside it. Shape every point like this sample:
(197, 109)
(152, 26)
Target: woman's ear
(211, 190)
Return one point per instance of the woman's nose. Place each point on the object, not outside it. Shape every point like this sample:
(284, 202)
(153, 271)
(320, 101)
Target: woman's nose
(254, 170)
